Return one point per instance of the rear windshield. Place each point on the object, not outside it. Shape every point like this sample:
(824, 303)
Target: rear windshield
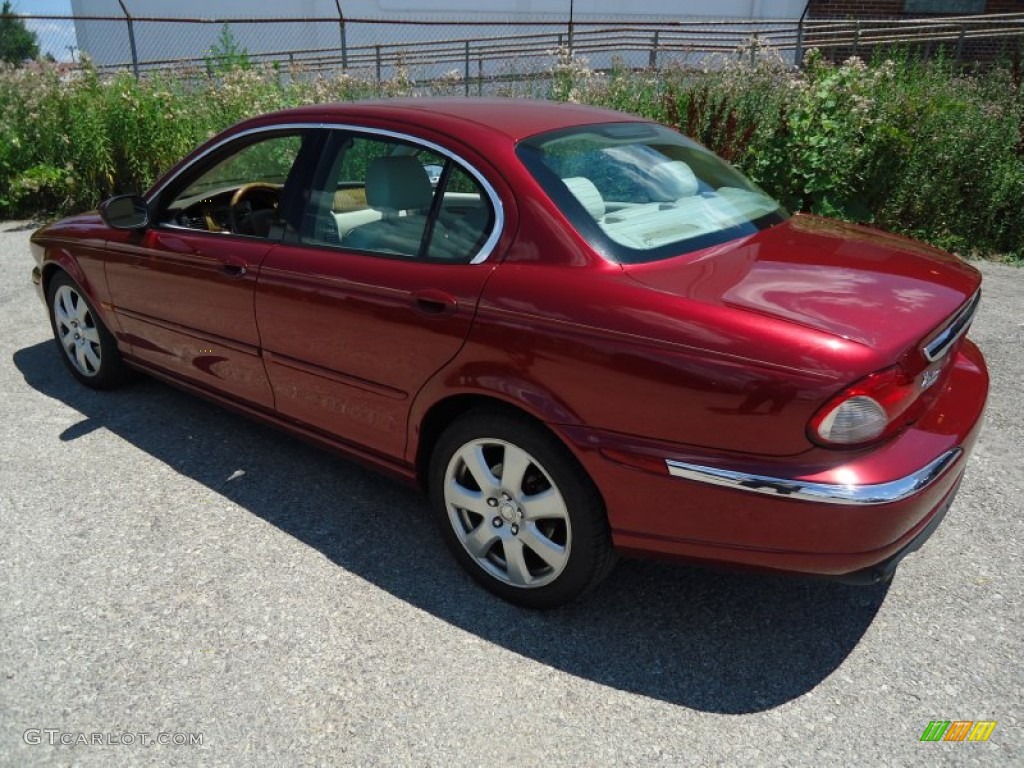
(640, 192)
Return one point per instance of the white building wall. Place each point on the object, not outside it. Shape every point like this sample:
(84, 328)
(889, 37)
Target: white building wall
(447, 9)
(107, 41)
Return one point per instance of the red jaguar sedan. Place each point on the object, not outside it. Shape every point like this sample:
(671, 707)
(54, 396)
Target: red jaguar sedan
(579, 331)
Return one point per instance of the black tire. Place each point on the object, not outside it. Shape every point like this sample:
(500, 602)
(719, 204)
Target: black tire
(83, 342)
(541, 542)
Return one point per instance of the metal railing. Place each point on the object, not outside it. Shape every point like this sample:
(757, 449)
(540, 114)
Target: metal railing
(475, 50)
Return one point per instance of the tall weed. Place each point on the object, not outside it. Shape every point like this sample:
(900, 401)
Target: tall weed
(910, 146)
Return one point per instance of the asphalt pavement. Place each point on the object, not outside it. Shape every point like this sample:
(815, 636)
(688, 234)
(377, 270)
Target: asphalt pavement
(183, 586)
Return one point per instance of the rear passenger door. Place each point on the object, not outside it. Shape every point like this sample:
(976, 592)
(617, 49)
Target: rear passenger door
(377, 289)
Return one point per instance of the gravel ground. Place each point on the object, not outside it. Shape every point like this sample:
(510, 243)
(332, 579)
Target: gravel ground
(170, 568)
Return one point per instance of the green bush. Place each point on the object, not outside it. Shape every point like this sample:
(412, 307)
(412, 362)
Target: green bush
(909, 146)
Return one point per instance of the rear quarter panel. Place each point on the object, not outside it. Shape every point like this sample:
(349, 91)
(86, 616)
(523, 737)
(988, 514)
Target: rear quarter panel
(579, 343)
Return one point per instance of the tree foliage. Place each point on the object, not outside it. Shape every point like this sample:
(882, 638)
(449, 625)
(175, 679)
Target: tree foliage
(226, 54)
(17, 42)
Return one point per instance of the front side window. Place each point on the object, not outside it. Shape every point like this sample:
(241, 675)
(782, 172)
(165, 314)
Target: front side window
(640, 192)
(395, 198)
(239, 193)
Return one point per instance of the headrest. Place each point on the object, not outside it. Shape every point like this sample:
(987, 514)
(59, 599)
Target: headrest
(585, 191)
(677, 178)
(398, 182)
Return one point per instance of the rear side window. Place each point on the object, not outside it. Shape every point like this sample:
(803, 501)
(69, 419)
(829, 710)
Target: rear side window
(389, 197)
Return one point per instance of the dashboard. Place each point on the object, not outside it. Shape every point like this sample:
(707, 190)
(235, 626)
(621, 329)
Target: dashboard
(245, 209)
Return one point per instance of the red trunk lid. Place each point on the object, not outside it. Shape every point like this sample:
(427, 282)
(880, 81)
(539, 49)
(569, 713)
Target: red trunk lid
(881, 290)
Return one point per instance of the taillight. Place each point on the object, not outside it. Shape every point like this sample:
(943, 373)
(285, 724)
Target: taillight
(873, 408)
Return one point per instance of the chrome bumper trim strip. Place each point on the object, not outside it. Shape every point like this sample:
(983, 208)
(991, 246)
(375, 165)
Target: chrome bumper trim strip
(957, 327)
(822, 493)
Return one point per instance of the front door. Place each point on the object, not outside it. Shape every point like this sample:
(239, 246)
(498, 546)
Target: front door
(183, 289)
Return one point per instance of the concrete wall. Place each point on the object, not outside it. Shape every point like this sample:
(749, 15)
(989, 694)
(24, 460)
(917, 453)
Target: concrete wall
(107, 41)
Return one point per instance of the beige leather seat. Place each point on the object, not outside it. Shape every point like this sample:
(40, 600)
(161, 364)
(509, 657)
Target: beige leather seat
(399, 188)
(676, 178)
(584, 190)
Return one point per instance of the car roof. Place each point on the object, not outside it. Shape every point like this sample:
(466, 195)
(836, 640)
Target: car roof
(514, 118)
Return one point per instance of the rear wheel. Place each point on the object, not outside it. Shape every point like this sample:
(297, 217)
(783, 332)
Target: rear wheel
(87, 347)
(518, 511)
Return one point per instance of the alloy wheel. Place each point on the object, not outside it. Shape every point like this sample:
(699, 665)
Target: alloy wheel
(507, 513)
(77, 331)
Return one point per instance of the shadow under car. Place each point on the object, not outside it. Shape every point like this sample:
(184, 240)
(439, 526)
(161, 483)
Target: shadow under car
(717, 642)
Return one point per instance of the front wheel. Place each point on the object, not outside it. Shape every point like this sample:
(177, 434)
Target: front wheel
(518, 511)
(87, 347)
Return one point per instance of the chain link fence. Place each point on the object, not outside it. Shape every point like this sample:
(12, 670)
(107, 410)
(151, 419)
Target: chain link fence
(471, 53)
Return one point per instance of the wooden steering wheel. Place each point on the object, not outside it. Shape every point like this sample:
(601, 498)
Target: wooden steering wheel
(241, 221)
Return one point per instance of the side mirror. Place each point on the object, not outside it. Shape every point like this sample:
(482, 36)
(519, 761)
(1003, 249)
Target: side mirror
(125, 212)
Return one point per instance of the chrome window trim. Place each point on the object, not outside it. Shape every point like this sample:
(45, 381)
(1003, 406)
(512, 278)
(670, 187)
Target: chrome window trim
(822, 493)
(937, 348)
(211, 232)
(499, 210)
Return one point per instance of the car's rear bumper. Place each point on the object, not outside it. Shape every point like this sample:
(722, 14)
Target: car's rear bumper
(884, 570)
(851, 515)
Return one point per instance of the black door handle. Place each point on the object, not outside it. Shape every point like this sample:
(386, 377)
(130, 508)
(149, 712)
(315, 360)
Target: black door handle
(431, 301)
(233, 270)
